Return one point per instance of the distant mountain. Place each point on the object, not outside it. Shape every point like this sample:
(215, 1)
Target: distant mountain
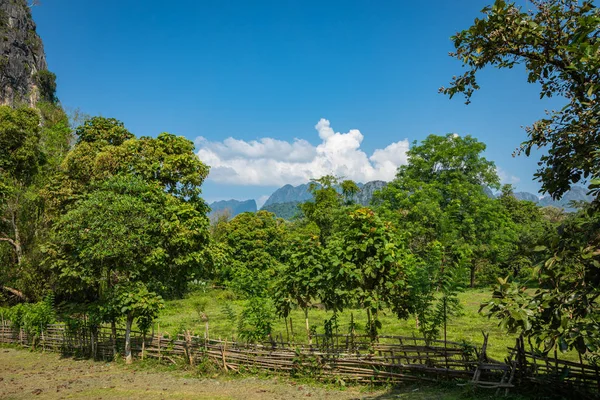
(577, 193)
(290, 195)
(366, 191)
(526, 196)
(235, 207)
(286, 211)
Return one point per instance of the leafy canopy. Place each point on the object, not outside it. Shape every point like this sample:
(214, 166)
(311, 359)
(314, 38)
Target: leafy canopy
(558, 42)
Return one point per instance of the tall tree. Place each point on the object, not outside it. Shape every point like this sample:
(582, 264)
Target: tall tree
(558, 43)
(439, 198)
(327, 203)
(300, 280)
(20, 160)
(369, 266)
(255, 242)
(124, 234)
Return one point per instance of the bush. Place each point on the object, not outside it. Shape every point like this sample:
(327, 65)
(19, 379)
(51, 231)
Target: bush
(256, 320)
(31, 317)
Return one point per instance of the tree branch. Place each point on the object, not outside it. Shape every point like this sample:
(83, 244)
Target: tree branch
(16, 292)
(9, 240)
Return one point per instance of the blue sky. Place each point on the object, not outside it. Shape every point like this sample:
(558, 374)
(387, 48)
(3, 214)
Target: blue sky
(265, 73)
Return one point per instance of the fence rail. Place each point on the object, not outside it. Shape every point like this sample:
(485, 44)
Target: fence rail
(391, 359)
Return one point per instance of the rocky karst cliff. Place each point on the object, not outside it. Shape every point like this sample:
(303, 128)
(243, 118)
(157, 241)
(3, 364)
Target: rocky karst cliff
(22, 60)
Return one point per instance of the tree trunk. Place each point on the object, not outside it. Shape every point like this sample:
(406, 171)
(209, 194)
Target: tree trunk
(17, 243)
(287, 330)
(128, 356)
(307, 326)
(472, 276)
(94, 339)
(113, 334)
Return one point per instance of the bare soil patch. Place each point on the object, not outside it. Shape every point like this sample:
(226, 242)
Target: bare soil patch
(35, 375)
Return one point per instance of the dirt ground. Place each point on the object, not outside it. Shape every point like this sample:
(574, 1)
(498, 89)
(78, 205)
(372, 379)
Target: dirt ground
(33, 375)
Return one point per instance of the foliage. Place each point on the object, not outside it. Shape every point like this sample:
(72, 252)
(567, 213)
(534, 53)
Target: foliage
(23, 155)
(564, 310)
(20, 155)
(438, 198)
(558, 44)
(135, 301)
(105, 148)
(368, 266)
(300, 279)
(126, 230)
(33, 318)
(46, 82)
(255, 321)
(531, 227)
(325, 207)
(253, 243)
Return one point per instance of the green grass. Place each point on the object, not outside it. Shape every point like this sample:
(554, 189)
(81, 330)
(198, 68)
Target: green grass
(183, 314)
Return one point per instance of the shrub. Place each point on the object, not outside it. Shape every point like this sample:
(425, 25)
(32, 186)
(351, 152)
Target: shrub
(256, 320)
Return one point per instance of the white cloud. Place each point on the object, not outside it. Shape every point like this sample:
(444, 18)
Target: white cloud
(272, 162)
(506, 178)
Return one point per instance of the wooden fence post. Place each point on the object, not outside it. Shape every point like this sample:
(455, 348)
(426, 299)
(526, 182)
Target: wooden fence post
(159, 344)
(223, 349)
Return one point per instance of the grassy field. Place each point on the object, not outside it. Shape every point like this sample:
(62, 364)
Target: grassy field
(221, 307)
(26, 375)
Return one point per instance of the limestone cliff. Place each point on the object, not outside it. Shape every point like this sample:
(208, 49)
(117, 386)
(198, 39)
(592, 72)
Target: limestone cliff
(22, 58)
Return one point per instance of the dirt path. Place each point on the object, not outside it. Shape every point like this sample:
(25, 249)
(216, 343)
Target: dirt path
(27, 375)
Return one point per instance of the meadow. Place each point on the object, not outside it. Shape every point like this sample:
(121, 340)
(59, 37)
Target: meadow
(223, 308)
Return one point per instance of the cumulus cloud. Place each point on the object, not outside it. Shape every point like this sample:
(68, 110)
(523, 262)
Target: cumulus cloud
(507, 178)
(272, 162)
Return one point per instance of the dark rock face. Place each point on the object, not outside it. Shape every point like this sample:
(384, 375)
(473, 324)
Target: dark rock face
(21, 54)
(366, 192)
(289, 194)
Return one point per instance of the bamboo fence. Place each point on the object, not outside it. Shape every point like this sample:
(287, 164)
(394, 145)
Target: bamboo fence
(351, 358)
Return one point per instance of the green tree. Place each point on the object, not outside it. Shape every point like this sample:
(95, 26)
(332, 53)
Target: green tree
(327, 203)
(135, 302)
(439, 198)
(369, 266)
(126, 234)
(105, 148)
(300, 279)
(563, 311)
(255, 242)
(21, 159)
(530, 229)
(558, 44)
